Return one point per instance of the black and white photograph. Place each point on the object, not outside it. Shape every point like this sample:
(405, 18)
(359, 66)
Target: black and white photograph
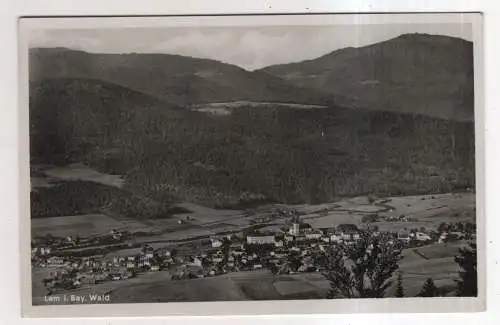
(251, 160)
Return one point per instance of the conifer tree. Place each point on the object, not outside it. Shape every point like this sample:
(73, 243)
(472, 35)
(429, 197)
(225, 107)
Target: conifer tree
(467, 260)
(363, 270)
(399, 289)
(429, 289)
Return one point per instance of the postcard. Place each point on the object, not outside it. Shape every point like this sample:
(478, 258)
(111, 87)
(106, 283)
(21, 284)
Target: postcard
(252, 164)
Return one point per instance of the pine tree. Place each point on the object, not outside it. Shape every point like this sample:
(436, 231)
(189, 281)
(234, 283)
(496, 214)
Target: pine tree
(363, 270)
(429, 289)
(467, 260)
(399, 289)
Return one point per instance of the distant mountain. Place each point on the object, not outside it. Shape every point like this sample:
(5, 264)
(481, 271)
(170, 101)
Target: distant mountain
(413, 73)
(176, 79)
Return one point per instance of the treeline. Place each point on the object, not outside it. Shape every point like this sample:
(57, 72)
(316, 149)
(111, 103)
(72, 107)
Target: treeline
(82, 197)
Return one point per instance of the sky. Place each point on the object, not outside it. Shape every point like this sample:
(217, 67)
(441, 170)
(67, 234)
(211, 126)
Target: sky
(248, 47)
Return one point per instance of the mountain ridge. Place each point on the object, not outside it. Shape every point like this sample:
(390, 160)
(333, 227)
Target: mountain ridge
(415, 73)
(173, 78)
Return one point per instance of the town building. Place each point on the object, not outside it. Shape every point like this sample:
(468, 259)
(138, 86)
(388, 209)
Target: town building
(216, 243)
(314, 235)
(260, 239)
(348, 232)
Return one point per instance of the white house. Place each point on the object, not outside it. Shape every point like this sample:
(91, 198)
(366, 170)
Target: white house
(314, 235)
(260, 239)
(279, 243)
(196, 262)
(420, 236)
(216, 243)
(336, 237)
(294, 229)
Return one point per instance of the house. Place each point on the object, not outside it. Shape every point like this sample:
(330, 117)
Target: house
(336, 237)
(216, 243)
(55, 260)
(404, 236)
(443, 238)
(325, 239)
(196, 262)
(348, 231)
(299, 228)
(314, 235)
(260, 239)
(457, 234)
(294, 229)
(420, 236)
(88, 280)
(300, 238)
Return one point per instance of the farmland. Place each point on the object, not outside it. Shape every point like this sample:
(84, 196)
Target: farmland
(81, 225)
(46, 176)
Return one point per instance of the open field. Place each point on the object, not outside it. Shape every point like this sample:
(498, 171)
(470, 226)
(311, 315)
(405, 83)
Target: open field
(82, 225)
(428, 211)
(257, 285)
(45, 176)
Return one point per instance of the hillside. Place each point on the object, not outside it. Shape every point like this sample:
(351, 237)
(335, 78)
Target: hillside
(176, 79)
(413, 73)
(266, 153)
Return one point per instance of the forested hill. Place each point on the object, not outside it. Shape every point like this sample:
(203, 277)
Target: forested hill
(175, 79)
(266, 152)
(414, 73)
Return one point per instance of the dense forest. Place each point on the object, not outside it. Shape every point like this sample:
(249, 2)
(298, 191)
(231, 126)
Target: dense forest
(167, 153)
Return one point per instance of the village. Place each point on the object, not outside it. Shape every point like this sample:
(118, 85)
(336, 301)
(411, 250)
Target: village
(296, 248)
